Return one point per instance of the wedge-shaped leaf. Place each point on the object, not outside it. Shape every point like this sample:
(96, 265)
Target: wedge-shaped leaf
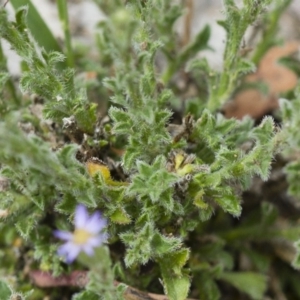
(25, 226)
(163, 245)
(174, 262)
(230, 203)
(264, 132)
(122, 128)
(245, 66)
(118, 115)
(181, 257)
(167, 201)
(119, 216)
(67, 204)
(144, 169)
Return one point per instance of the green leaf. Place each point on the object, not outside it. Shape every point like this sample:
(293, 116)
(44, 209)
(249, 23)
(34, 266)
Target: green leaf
(55, 57)
(253, 284)
(153, 181)
(245, 66)
(37, 26)
(3, 78)
(175, 280)
(117, 114)
(119, 216)
(162, 245)
(139, 248)
(176, 288)
(67, 204)
(180, 257)
(25, 226)
(86, 117)
(5, 291)
(208, 289)
(199, 65)
(199, 200)
(86, 295)
(199, 43)
(144, 169)
(230, 203)
(261, 261)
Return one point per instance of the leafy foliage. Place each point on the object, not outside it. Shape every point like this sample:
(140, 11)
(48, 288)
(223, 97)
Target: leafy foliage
(173, 193)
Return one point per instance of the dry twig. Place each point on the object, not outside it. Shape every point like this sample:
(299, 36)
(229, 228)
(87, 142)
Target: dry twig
(80, 279)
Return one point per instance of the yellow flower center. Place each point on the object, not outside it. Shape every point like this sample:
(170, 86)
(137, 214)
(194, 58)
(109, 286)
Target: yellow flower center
(81, 236)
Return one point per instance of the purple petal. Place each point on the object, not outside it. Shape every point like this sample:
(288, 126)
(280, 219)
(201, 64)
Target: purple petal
(81, 216)
(64, 249)
(69, 251)
(97, 240)
(95, 223)
(63, 235)
(72, 255)
(88, 249)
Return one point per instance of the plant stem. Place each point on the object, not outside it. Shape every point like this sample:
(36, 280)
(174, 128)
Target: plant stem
(63, 16)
